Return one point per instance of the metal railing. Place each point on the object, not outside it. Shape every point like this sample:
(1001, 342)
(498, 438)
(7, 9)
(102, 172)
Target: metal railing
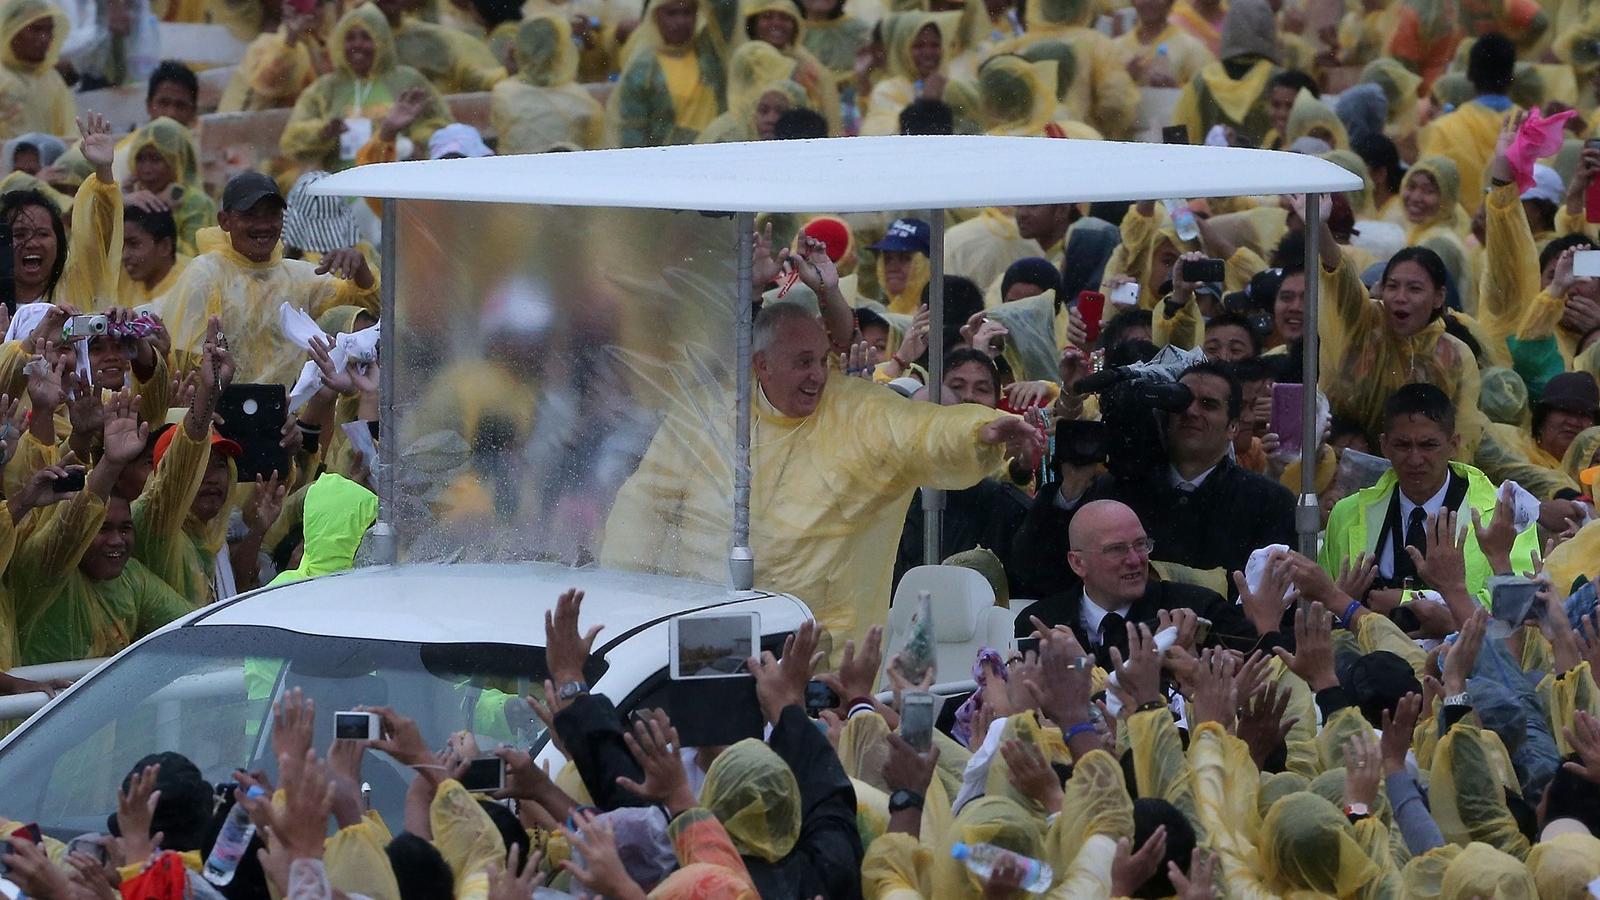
(21, 706)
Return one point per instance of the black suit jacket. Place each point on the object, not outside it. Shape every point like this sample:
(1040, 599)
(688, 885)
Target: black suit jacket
(1229, 627)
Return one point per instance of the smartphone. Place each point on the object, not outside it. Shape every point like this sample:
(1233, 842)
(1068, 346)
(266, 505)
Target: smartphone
(714, 646)
(253, 417)
(1091, 308)
(485, 775)
(1202, 630)
(1202, 270)
(1028, 645)
(1512, 602)
(30, 833)
(1175, 134)
(1288, 406)
(89, 845)
(68, 483)
(1128, 293)
(916, 719)
(1591, 196)
(820, 697)
(1586, 264)
(357, 726)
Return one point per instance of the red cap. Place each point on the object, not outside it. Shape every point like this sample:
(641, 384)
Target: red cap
(218, 442)
(832, 232)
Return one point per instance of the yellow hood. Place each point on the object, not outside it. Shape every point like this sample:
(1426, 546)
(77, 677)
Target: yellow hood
(19, 14)
(175, 144)
(370, 20)
(546, 56)
(1450, 215)
(1310, 114)
(1016, 96)
(899, 31)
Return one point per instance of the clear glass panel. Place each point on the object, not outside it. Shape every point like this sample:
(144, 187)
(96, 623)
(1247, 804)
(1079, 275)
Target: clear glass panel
(539, 351)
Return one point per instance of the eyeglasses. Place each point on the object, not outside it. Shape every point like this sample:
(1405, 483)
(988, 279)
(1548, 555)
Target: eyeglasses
(1117, 551)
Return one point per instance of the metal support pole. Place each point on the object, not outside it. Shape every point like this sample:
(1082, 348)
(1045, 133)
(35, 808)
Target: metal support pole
(741, 559)
(385, 544)
(933, 499)
(1308, 512)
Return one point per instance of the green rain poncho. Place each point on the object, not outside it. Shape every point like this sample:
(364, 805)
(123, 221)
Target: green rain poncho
(340, 94)
(753, 793)
(39, 99)
(755, 70)
(542, 105)
(835, 42)
(192, 210)
(1016, 97)
(456, 62)
(337, 514)
(667, 94)
(1102, 94)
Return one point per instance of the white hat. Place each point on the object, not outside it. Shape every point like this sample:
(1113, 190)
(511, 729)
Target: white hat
(457, 139)
(1546, 185)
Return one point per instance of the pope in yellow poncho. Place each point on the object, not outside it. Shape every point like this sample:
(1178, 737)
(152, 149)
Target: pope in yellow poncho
(354, 97)
(542, 105)
(673, 78)
(834, 462)
(164, 164)
(760, 84)
(32, 32)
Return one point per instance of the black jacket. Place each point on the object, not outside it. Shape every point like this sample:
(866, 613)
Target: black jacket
(1229, 627)
(1232, 513)
(988, 515)
(825, 861)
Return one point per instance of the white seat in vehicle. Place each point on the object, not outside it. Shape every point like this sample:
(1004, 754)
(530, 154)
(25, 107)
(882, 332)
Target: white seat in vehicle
(965, 619)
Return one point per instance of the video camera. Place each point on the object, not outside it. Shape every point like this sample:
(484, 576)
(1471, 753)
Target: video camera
(1134, 403)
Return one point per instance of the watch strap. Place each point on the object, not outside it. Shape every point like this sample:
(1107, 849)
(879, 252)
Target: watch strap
(569, 689)
(904, 799)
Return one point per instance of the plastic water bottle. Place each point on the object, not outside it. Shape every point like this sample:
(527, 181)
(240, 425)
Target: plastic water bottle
(983, 859)
(232, 841)
(1183, 219)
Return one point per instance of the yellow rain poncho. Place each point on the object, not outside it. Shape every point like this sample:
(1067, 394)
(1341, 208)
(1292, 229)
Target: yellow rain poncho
(1311, 117)
(1504, 397)
(9, 650)
(986, 820)
(1399, 86)
(246, 294)
(1102, 95)
(753, 793)
(1480, 870)
(982, 247)
(1510, 452)
(271, 75)
(542, 105)
(93, 265)
(1581, 554)
(756, 69)
(340, 94)
(1466, 796)
(1364, 32)
(456, 62)
(1360, 201)
(176, 547)
(1016, 97)
(1212, 98)
(1450, 219)
(131, 293)
(667, 95)
(809, 72)
(1186, 56)
(60, 613)
(1581, 453)
(835, 42)
(466, 837)
(1467, 137)
(828, 496)
(909, 299)
(43, 102)
(192, 209)
(903, 84)
(1563, 866)
(1309, 845)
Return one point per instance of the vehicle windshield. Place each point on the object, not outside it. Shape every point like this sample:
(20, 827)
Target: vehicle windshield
(207, 693)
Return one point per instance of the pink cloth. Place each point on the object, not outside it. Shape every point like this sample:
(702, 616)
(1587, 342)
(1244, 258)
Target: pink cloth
(1537, 138)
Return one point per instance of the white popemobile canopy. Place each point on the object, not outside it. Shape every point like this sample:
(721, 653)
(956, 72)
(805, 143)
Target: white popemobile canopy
(863, 174)
(860, 174)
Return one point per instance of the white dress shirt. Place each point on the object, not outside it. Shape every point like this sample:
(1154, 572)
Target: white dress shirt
(1093, 614)
(1398, 540)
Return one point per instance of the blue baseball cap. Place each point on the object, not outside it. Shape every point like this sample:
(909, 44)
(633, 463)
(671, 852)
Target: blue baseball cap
(905, 236)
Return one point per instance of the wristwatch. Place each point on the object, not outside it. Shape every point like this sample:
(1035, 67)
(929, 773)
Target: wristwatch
(572, 689)
(1355, 811)
(904, 799)
(1461, 699)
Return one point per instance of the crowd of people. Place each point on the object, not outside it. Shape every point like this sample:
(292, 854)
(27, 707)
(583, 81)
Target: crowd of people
(1198, 709)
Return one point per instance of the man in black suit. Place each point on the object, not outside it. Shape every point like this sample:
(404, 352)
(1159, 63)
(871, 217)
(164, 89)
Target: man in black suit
(1204, 511)
(1110, 557)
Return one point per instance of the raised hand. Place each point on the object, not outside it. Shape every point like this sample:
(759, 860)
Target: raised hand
(1262, 725)
(654, 744)
(1312, 659)
(566, 651)
(764, 263)
(1200, 883)
(1139, 678)
(516, 880)
(98, 146)
(1030, 773)
(1443, 567)
(596, 865)
(136, 808)
(1463, 654)
(123, 436)
(293, 721)
(815, 267)
(858, 672)
(347, 263)
(1361, 769)
(1584, 736)
(1264, 606)
(781, 683)
(1398, 728)
(1130, 870)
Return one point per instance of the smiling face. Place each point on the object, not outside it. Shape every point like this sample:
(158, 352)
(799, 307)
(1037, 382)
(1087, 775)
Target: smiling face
(970, 382)
(1201, 433)
(108, 363)
(776, 28)
(108, 552)
(675, 21)
(1421, 198)
(213, 493)
(769, 109)
(1109, 553)
(1289, 308)
(794, 369)
(152, 170)
(32, 43)
(34, 248)
(360, 50)
(926, 51)
(1559, 428)
(1419, 449)
(1409, 297)
(254, 232)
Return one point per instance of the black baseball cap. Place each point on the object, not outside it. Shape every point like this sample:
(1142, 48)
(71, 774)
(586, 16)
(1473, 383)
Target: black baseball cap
(247, 189)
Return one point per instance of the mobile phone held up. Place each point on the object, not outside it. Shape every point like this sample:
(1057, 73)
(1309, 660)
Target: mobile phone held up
(1206, 271)
(356, 726)
(485, 775)
(916, 719)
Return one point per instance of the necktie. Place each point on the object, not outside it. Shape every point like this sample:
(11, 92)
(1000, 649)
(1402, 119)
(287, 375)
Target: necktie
(1114, 633)
(1416, 536)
